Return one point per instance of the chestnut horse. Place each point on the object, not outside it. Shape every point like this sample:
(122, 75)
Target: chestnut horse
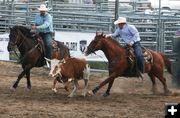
(118, 65)
(31, 50)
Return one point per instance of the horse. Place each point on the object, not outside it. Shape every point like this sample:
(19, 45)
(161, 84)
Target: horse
(31, 49)
(119, 66)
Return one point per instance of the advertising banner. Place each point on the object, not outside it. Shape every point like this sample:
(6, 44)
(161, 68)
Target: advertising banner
(4, 54)
(77, 43)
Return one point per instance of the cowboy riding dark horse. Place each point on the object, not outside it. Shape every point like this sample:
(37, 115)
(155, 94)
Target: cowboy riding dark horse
(31, 49)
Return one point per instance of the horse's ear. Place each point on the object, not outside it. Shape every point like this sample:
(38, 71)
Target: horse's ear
(102, 34)
(10, 28)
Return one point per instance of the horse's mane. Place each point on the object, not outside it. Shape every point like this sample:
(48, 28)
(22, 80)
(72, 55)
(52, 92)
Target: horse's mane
(25, 31)
(112, 40)
(115, 42)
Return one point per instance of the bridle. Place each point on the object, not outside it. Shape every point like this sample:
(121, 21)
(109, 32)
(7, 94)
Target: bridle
(93, 51)
(17, 40)
(16, 43)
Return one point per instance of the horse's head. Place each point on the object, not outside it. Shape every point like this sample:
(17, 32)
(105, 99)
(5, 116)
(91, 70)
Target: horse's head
(13, 39)
(15, 36)
(95, 44)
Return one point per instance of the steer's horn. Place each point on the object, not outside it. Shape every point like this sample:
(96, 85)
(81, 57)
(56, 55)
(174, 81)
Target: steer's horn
(47, 59)
(62, 61)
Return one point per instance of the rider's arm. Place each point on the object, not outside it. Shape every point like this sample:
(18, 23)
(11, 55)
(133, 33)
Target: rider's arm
(116, 34)
(135, 34)
(47, 22)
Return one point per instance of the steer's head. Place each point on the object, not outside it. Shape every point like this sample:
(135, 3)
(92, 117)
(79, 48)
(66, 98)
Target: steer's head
(55, 67)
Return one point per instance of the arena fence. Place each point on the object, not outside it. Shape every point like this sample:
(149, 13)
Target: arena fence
(157, 34)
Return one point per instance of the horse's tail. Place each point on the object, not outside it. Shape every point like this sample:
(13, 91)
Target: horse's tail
(167, 63)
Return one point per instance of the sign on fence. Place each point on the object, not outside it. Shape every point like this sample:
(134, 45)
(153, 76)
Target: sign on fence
(77, 43)
(4, 54)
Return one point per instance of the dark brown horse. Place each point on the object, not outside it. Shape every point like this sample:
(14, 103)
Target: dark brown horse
(31, 49)
(118, 64)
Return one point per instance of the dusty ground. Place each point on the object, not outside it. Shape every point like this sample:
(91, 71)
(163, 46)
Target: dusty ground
(130, 98)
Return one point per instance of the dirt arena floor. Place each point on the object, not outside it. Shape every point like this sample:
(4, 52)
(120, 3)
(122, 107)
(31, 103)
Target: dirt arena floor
(130, 97)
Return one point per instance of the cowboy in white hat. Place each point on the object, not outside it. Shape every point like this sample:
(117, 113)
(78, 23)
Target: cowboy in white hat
(44, 25)
(43, 8)
(130, 35)
(120, 20)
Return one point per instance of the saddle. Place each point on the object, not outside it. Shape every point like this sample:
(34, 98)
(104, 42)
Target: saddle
(40, 43)
(133, 70)
(54, 45)
(55, 49)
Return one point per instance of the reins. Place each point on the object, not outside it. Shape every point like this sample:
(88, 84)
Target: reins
(17, 46)
(99, 56)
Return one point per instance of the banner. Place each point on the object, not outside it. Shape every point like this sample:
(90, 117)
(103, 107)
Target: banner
(77, 43)
(4, 54)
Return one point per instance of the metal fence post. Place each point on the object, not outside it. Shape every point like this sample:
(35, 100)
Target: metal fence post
(116, 15)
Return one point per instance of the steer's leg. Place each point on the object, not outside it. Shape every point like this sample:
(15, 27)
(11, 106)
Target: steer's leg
(54, 86)
(85, 87)
(75, 82)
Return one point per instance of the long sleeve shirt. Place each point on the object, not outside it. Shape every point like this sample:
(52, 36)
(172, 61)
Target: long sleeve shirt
(44, 23)
(128, 33)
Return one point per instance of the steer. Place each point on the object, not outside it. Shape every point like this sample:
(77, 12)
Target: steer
(53, 63)
(71, 69)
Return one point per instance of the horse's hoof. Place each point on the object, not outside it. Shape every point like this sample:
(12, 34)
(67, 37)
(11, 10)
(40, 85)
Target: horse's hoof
(12, 89)
(106, 94)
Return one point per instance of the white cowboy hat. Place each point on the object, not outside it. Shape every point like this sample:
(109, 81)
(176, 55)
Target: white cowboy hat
(43, 8)
(120, 20)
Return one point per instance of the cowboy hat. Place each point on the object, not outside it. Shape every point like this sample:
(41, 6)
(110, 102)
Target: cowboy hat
(43, 8)
(120, 20)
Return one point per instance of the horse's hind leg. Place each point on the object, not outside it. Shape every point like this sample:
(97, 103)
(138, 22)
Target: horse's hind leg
(154, 86)
(166, 90)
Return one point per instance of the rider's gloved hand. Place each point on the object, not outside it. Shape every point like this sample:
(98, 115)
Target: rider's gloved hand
(33, 27)
(108, 35)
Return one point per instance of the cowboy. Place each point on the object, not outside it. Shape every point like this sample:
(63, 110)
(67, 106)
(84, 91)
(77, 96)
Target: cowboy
(130, 36)
(44, 25)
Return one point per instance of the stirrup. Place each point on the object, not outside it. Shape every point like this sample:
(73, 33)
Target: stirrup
(141, 75)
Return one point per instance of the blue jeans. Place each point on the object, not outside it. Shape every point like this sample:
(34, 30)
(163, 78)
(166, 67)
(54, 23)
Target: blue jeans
(47, 38)
(139, 56)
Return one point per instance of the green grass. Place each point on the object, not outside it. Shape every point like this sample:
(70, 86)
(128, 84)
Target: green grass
(98, 65)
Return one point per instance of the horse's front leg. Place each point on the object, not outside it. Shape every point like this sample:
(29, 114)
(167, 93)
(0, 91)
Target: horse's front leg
(28, 80)
(18, 79)
(109, 79)
(107, 93)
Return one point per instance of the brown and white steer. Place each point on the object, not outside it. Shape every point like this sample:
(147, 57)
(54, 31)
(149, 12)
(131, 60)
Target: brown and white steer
(71, 69)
